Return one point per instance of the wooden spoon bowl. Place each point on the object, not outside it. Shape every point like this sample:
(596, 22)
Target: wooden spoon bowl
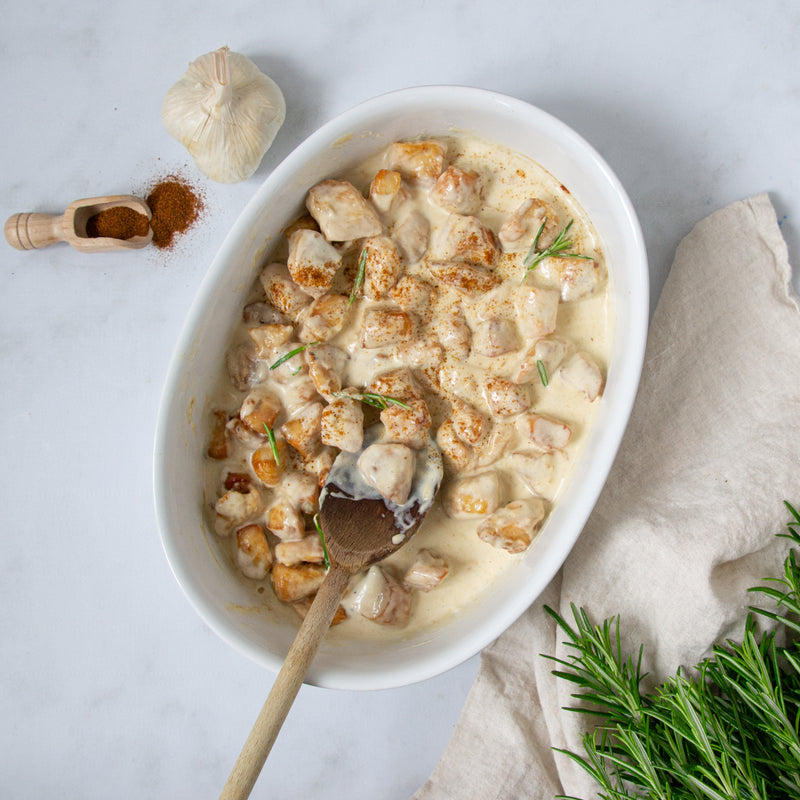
(360, 528)
(31, 231)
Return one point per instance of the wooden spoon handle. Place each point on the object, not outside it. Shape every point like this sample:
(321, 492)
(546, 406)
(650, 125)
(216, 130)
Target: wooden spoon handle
(28, 231)
(248, 766)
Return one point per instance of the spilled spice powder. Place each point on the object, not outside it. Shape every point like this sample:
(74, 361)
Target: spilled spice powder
(175, 207)
(118, 222)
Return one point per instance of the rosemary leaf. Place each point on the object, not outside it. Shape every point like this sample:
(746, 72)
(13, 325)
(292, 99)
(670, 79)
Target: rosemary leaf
(321, 535)
(542, 372)
(558, 248)
(286, 356)
(359, 282)
(374, 399)
(273, 444)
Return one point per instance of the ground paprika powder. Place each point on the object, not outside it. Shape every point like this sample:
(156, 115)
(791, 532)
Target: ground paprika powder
(175, 207)
(118, 222)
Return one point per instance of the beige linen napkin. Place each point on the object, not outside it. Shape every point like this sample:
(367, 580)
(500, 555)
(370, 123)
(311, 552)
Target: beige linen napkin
(686, 521)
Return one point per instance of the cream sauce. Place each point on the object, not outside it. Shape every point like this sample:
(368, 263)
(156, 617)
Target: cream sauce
(507, 179)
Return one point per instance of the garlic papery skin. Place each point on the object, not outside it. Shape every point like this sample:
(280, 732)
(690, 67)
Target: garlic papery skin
(226, 113)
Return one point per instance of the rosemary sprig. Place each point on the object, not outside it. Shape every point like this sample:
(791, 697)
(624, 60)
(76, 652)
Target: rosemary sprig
(374, 399)
(273, 444)
(286, 356)
(359, 282)
(321, 535)
(558, 248)
(542, 372)
(732, 730)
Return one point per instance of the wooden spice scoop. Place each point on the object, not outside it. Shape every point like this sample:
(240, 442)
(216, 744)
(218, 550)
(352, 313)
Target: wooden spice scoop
(358, 532)
(30, 231)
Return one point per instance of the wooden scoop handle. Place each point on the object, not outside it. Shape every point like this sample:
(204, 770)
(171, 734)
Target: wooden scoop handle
(30, 231)
(265, 731)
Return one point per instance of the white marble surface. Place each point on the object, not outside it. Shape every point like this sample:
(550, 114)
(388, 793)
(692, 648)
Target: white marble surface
(109, 683)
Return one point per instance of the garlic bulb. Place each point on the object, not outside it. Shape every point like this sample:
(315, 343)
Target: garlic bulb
(226, 113)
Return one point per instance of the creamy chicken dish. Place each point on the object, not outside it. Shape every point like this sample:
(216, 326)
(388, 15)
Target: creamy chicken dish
(446, 288)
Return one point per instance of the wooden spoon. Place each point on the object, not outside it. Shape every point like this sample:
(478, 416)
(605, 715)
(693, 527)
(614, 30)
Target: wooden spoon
(30, 231)
(360, 528)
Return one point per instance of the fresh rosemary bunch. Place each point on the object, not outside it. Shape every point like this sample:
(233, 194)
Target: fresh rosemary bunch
(730, 731)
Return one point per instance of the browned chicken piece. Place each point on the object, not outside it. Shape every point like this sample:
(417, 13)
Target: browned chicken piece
(238, 481)
(469, 423)
(297, 393)
(465, 238)
(379, 596)
(302, 431)
(267, 338)
(550, 351)
(323, 319)
(308, 549)
(583, 375)
(253, 556)
(312, 262)
(456, 452)
(267, 470)
(389, 469)
(325, 366)
(244, 369)
(412, 234)
(514, 526)
(260, 313)
(497, 443)
(303, 606)
(319, 464)
(306, 222)
(537, 310)
(505, 398)
(576, 278)
(285, 521)
(247, 436)
(397, 383)
(387, 191)
(412, 294)
(520, 228)
(427, 571)
(454, 333)
(218, 442)
(259, 410)
(535, 470)
(495, 337)
(473, 496)
(417, 161)
(385, 326)
(382, 267)
(343, 424)
(301, 489)
(298, 582)
(545, 432)
(466, 278)
(409, 426)
(457, 191)
(341, 211)
(282, 292)
(234, 508)
(425, 354)
(456, 382)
